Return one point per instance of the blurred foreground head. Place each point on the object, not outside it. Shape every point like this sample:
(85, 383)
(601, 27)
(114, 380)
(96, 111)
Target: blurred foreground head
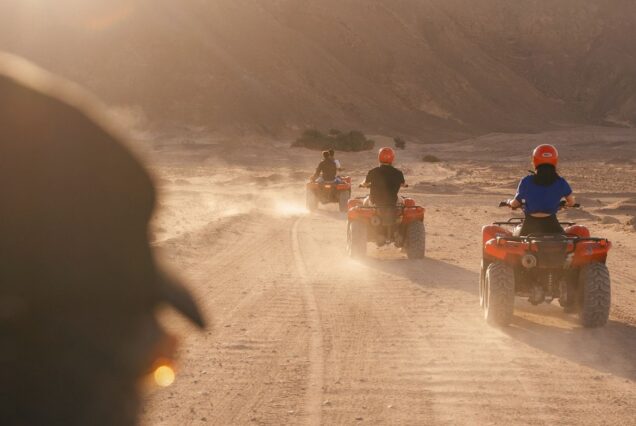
(79, 286)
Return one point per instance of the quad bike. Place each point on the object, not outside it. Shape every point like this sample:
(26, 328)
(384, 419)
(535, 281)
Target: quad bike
(569, 267)
(329, 192)
(402, 225)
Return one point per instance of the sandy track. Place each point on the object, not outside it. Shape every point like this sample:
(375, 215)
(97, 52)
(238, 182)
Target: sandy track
(314, 393)
(304, 335)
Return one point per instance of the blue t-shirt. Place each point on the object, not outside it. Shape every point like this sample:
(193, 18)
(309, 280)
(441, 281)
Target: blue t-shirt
(542, 199)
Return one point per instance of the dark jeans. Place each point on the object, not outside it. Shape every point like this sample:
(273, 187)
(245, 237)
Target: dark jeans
(541, 225)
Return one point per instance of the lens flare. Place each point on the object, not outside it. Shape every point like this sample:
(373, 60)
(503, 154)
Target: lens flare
(164, 376)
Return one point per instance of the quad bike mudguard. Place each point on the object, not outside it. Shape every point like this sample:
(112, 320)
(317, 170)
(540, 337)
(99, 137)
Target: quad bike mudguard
(580, 250)
(409, 211)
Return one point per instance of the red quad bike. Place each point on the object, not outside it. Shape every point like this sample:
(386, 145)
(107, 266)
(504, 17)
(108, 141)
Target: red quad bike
(543, 267)
(402, 225)
(329, 192)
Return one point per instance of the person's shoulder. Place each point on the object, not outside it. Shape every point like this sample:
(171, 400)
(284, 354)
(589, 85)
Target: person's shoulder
(563, 182)
(528, 179)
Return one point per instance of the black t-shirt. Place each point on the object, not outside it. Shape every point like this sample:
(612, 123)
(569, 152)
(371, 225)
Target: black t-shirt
(385, 184)
(328, 169)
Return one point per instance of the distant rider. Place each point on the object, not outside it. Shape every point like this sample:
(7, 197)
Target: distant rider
(326, 170)
(385, 180)
(540, 194)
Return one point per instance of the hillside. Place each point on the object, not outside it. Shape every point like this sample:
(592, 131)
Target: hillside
(423, 68)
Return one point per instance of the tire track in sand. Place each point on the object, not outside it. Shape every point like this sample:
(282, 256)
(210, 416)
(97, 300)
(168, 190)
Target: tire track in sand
(315, 380)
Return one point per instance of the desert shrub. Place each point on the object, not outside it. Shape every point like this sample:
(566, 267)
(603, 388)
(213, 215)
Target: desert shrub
(399, 143)
(428, 158)
(312, 134)
(312, 139)
(352, 141)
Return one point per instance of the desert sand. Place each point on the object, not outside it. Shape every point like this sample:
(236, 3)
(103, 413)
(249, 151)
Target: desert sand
(304, 335)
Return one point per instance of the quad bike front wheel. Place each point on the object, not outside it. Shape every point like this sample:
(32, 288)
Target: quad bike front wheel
(595, 295)
(499, 294)
(343, 201)
(356, 239)
(312, 200)
(415, 240)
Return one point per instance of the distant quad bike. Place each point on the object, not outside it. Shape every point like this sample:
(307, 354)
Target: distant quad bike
(569, 267)
(329, 192)
(402, 225)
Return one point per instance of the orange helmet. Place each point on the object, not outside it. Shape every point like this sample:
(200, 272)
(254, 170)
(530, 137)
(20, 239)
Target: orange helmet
(386, 155)
(545, 154)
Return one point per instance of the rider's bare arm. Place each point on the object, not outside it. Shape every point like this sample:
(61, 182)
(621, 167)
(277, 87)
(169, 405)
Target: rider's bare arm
(316, 174)
(514, 203)
(570, 200)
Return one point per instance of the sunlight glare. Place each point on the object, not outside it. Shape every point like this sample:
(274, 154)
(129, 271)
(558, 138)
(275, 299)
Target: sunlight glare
(164, 376)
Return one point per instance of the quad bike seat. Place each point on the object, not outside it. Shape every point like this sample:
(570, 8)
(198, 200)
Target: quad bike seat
(367, 203)
(516, 232)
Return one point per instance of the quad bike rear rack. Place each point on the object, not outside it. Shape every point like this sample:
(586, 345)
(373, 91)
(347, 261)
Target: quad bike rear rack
(519, 220)
(551, 237)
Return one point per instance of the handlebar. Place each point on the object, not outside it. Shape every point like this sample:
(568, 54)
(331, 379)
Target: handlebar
(564, 205)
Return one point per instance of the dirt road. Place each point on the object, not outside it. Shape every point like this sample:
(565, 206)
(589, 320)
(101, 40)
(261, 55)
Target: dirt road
(304, 335)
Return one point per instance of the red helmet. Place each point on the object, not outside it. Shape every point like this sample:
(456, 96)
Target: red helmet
(386, 155)
(545, 154)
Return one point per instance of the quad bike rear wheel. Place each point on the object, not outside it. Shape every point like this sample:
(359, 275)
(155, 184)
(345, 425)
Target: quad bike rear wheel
(415, 240)
(343, 201)
(499, 294)
(356, 239)
(312, 200)
(595, 295)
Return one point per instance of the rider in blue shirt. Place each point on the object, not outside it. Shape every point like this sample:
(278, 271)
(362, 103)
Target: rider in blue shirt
(540, 194)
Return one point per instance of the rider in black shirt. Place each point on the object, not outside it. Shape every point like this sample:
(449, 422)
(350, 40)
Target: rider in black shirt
(326, 168)
(384, 181)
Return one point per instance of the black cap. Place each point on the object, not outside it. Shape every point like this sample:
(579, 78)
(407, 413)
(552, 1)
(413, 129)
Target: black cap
(74, 205)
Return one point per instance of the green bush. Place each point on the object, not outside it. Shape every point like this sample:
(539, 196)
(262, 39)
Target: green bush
(399, 143)
(352, 141)
(430, 159)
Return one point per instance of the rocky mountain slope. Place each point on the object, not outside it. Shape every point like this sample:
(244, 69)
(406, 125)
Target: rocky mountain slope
(424, 68)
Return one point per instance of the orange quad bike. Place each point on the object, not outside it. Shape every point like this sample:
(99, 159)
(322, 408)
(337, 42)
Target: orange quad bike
(401, 225)
(569, 267)
(329, 192)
